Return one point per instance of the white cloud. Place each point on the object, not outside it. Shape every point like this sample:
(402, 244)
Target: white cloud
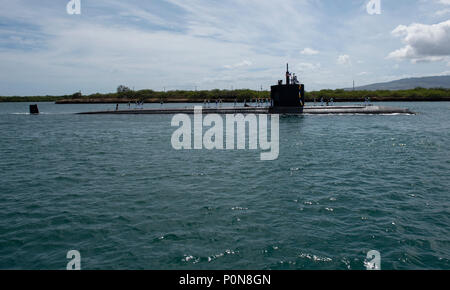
(444, 73)
(310, 67)
(217, 19)
(309, 51)
(423, 42)
(442, 12)
(344, 59)
(239, 64)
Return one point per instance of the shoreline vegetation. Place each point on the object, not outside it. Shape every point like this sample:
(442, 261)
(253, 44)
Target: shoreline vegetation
(125, 95)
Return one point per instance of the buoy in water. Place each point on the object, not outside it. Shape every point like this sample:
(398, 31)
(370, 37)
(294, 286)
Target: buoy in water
(34, 110)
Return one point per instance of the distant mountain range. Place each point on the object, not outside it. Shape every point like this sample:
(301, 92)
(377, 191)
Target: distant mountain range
(407, 84)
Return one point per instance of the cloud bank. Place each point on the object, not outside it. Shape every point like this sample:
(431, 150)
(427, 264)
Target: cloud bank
(423, 42)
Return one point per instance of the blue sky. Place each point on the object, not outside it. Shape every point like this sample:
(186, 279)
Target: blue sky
(206, 44)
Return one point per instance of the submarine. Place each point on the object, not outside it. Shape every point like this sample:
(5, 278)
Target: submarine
(286, 99)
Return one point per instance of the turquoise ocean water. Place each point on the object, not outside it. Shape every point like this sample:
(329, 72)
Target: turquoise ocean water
(113, 188)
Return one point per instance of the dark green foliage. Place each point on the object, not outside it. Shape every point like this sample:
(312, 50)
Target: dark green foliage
(77, 95)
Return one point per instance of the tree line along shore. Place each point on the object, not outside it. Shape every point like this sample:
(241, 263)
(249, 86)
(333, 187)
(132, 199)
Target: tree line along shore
(124, 95)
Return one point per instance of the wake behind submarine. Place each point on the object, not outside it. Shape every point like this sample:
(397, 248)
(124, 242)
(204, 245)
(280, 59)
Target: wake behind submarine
(286, 99)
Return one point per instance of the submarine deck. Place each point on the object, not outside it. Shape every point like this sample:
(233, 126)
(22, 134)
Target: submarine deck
(316, 110)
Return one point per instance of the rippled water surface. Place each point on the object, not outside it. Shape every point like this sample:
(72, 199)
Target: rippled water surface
(113, 188)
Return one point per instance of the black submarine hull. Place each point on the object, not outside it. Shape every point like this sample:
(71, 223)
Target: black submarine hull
(331, 110)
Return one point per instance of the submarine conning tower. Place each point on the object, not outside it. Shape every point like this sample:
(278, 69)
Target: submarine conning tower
(288, 98)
